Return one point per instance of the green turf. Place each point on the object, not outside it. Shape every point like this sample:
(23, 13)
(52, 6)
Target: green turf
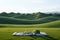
(6, 33)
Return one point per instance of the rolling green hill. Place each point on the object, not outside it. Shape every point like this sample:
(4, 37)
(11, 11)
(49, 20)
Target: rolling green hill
(54, 24)
(29, 20)
(16, 22)
(11, 20)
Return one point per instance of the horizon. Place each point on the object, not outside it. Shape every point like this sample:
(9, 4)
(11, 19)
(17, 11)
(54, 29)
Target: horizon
(29, 6)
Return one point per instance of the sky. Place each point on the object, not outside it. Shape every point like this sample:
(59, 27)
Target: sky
(29, 6)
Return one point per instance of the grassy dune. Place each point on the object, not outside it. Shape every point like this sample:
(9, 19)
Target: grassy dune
(6, 34)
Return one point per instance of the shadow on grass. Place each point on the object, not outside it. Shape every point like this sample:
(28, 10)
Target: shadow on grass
(48, 37)
(45, 37)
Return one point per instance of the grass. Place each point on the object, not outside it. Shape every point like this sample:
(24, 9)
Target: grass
(12, 20)
(6, 33)
(54, 24)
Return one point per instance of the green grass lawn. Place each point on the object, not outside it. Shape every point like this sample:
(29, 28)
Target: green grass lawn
(6, 33)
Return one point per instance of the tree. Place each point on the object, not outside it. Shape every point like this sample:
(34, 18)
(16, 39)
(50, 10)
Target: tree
(36, 15)
(11, 14)
(3, 14)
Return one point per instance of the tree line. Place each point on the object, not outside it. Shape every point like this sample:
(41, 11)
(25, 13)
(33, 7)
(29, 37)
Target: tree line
(29, 16)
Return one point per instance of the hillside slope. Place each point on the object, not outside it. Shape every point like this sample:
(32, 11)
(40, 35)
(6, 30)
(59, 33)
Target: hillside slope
(11, 20)
(54, 24)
